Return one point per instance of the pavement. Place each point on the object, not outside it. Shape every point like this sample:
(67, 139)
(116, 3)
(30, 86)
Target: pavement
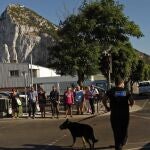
(102, 112)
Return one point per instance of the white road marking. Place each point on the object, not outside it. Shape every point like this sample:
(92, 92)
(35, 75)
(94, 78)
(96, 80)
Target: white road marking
(140, 147)
(147, 101)
(143, 117)
(54, 142)
(137, 148)
(143, 142)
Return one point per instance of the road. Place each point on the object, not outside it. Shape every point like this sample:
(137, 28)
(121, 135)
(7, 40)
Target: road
(44, 134)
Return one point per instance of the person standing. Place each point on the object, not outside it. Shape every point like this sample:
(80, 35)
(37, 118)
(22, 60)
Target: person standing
(33, 98)
(54, 99)
(69, 100)
(87, 97)
(94, 93)
(79, 100)
(120, 100)
(42, 101)
(15, 106)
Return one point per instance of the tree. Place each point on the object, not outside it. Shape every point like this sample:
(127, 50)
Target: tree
(83, 38)
(108, 25)
(123, 58)
(107, 22)
(137, 72)
(146, 72)
(73, 55)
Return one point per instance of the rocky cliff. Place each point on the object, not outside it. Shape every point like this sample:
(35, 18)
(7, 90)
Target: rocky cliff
(23, 32)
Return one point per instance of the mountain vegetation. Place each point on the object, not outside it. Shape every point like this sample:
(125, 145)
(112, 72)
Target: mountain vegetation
(143, 56)
(26, 16)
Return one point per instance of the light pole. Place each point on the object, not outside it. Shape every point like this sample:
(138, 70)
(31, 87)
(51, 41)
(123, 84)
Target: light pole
(31, 70)
(108, 56)
(110, 69)
(25, 87)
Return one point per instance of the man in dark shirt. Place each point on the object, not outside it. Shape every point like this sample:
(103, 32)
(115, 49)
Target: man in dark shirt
(120, 99)
(54, 99)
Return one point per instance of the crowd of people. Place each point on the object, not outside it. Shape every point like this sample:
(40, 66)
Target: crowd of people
(82, 99)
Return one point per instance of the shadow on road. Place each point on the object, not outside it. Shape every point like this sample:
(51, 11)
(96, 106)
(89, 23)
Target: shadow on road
(146, 146)
(53, 147)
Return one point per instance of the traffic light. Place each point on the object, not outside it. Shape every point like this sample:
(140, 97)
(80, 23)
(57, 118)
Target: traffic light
(106, 63)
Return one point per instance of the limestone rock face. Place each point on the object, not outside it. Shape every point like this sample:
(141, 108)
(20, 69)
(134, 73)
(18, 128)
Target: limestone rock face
(4, 54)
(23, 32)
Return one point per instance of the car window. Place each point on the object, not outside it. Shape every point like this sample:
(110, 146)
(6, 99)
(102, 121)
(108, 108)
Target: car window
(142, 84)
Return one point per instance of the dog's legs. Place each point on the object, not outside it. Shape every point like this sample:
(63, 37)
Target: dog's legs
(84, 143)
(93, 145)
(93, 140)
(74, 140)
(87, 140)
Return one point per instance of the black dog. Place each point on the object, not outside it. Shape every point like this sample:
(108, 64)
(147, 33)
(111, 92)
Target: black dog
(80, 130)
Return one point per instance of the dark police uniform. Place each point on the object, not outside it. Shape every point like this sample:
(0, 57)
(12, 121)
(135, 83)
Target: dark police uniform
(119, 106)
(54, 98)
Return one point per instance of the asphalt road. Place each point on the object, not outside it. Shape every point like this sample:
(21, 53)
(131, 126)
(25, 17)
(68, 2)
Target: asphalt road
(44, 134)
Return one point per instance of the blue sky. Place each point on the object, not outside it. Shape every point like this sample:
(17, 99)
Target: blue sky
(54, 10)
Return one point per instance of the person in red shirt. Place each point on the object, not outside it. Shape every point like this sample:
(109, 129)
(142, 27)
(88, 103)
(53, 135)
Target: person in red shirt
(68, 100)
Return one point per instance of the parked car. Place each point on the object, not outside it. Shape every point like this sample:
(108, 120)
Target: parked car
(5, 104)
(144, 87)
(5, 95)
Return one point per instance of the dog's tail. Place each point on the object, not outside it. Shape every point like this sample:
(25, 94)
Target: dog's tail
(95, 140)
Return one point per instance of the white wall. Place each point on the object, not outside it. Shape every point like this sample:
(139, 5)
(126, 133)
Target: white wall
(46, 72)
(43, 71)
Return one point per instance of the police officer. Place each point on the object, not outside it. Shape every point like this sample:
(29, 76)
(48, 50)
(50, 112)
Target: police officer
(120, 99)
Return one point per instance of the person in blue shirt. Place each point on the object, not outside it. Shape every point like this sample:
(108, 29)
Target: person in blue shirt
(79, 99)
(33, 98)
(93, 93)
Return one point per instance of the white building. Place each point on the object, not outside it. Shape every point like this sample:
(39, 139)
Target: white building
(22, 75)
(19, 75)
(39, 71)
